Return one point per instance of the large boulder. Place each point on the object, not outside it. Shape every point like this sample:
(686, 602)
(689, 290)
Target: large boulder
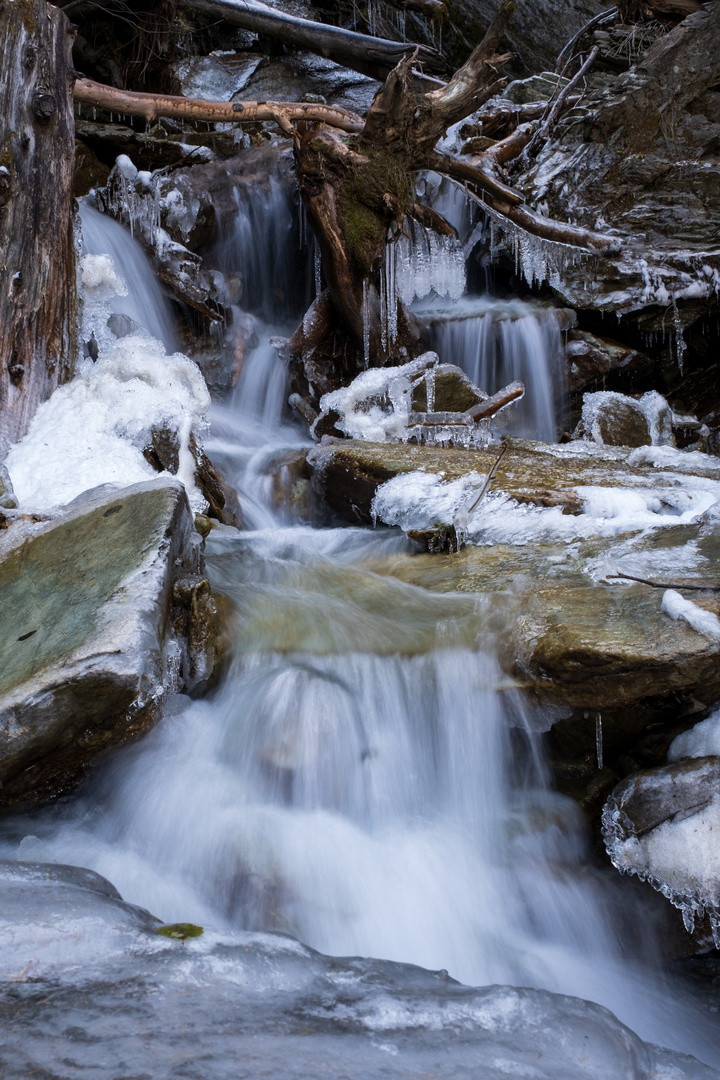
(547, 540)
(103, 609)
(105, 989)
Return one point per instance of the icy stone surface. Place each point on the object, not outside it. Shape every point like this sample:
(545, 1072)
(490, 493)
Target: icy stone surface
(663, 825)
(701, 741)
(88, 982)
(85, 634)
(612, 419)
(99, 424)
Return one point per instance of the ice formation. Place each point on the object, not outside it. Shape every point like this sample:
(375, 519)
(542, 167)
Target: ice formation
(499, 519)
(703, 740)
(652, 406)
(93, 430)
(677, 607)
(377, 407)
(416, 266)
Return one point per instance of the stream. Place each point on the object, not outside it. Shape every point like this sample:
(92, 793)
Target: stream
(366, 779)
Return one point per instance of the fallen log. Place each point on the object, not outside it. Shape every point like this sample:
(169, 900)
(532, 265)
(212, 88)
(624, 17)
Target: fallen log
(372, 56)
(152, 106)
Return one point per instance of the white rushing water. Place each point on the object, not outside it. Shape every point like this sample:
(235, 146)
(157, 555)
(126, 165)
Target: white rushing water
(364, 779)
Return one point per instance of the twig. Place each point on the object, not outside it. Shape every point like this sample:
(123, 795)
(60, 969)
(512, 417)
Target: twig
(664, 584)
(561, 98)
(568, 50)
(489, 478)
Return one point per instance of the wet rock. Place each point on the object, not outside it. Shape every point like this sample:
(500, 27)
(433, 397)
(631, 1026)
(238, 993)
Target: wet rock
(90, 171)
(7, 495)
(291, 489)
(164, 450)
(613, 420)
(122, 326)
(87, 649)
(662, 825)
(453, 391)
(222, 497)
(197, 622)
(91, 983)
(592, 360)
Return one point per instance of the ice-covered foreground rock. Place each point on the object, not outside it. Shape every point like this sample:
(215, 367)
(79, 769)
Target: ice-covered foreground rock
(663, 825)
(102, 609)
(91, 990)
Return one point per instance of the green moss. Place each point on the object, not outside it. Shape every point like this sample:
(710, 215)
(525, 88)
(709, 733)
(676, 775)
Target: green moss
(180, 931)
(367, 199)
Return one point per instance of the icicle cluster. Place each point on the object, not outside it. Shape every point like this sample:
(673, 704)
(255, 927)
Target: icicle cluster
(416, 264)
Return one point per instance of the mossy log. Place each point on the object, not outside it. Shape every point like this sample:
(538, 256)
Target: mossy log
(38, 299)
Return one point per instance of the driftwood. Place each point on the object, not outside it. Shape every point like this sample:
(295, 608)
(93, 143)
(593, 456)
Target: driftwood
(484, 410)
(151, 106)
(38, 299)
(370, 55)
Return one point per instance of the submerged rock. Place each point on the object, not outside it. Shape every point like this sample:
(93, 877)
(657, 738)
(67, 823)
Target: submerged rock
(120, 996)
(87, 648)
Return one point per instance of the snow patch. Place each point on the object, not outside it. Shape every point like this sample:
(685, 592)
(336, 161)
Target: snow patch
(677, 607)
(93, 430)
(703, 740)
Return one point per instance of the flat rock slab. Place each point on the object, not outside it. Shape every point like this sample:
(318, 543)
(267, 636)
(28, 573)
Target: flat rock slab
(580, 637)
(86, 615)
(89, 988)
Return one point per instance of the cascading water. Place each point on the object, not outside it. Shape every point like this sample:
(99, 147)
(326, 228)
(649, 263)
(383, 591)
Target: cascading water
(363, 779)
(496, 343)
(145, 302)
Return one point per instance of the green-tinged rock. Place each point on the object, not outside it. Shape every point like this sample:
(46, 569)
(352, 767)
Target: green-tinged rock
(86, 631)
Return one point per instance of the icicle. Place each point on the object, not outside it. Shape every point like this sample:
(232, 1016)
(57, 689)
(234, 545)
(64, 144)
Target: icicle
(680, 346)
(366, 324)
(599, 740)
(318, 269)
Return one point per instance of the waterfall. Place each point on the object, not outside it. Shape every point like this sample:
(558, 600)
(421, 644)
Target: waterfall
(364, 779)
(497, 342)
(145, 302)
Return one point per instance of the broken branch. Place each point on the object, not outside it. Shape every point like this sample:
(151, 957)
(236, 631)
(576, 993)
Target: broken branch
(151, 106)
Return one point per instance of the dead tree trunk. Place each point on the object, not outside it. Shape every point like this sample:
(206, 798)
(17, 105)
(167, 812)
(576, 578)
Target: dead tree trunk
(38, 299)
(370, 55)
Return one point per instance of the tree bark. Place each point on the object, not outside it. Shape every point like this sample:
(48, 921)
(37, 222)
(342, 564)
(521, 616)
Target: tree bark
(371, 56)
(150, 106)
(38, 296)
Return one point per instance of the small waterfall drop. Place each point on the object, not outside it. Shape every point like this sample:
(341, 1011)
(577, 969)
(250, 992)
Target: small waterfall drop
(497, 342)
(145, 302)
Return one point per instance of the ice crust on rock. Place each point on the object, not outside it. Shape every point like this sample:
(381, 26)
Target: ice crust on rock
(377, 404)
(270, 1002)
(651, 406)
(421, 500)
(663, 825)
(703, 740)
(93, 430)
(678, 607)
